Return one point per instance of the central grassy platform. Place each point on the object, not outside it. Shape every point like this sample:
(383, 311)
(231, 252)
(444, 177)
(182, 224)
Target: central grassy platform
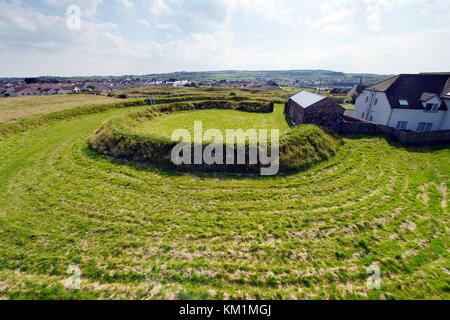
(222, 120)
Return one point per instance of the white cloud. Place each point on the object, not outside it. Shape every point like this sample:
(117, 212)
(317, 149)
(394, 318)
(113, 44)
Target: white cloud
(145, 22)
(168, 27)
(158, 7)
(126, 4)
(88, 7)
(343, 15)
(347, 35)
(281, 12)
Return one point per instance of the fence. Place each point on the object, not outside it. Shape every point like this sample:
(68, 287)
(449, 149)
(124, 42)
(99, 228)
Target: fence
(417, 138)
(352, 125)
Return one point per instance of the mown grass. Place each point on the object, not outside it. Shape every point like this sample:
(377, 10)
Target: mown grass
(15, 108)
(222, 120)
(143, 233)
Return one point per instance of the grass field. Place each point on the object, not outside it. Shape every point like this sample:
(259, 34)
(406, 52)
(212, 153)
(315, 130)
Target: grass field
(19, 107)
(348, 106)
(215, 119)
(143, 233)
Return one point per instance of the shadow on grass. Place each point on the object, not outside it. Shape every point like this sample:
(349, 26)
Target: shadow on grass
(173, 171)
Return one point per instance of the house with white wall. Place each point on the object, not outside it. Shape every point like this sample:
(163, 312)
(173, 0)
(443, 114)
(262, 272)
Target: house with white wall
(413, 102)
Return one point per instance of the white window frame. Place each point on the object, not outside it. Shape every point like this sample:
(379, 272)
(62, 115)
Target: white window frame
(402, 125)
(432, 107)
(425, 127)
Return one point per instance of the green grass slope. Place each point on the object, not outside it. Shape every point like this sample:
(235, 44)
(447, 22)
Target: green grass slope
(143, 233)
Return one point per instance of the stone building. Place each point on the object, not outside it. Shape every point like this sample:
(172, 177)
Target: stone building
(310, 108)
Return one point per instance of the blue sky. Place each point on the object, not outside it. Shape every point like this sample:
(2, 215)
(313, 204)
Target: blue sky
(149, 36)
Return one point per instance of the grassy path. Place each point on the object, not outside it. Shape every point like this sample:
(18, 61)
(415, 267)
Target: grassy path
(139, 233)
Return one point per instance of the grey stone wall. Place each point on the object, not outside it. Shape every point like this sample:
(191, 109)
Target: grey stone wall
(295, 112)
(326, 113)
(409, 138)
(417, 138)
(349, 127)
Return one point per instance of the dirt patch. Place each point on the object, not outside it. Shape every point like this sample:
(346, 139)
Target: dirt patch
(408, 225)
(423, 195)
(443, 191)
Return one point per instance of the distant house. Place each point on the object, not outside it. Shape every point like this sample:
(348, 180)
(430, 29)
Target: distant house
(306, 107)
(356, 91)
(69, 89)
(8, 92)
(100, 87)
(45, 91)
(27, 91)
(339, 91)
(413, 102)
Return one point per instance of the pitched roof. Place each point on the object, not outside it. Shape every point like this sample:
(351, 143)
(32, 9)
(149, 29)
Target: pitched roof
(427, 96)
(356, 90)
(306, 99)
(446, 91)
(412, 87)
(384, 85)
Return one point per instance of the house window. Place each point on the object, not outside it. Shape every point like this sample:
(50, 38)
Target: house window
(403, 102)
(424, 127)
(363, 115)
(371, 118)
(367, 99)
(376, 101)
(402, 125)
(430, 107)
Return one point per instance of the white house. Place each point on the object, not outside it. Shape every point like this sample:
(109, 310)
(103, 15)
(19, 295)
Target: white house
(69, 89)
(414, 102)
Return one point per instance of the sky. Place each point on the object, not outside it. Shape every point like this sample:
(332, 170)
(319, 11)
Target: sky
(119, 37)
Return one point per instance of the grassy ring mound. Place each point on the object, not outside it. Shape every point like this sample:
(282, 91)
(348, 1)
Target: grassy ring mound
(299, 148)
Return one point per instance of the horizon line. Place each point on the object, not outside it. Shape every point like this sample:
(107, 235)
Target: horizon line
(196, 71)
